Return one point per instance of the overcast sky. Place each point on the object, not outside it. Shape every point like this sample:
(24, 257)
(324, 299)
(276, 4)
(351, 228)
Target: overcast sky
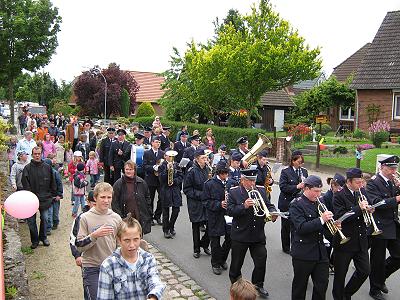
(139, 35)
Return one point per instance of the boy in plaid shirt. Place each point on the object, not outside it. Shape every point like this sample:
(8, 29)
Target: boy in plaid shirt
(130, 272)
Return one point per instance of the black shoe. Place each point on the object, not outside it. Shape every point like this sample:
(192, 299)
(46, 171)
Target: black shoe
(224, 266)
(377, 295)
(196, 254)
(46, 242)
(55, 226)
(262, 292)
(384, 289)
(48, 233)
(34, 245)
(286, 251)
(207, 251)
(216, 270)
(202, 228)
(153, 223)
(167, 235)
(159, 221)
(173, 232)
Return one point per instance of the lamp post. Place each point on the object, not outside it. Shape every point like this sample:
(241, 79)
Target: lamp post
(95, 71)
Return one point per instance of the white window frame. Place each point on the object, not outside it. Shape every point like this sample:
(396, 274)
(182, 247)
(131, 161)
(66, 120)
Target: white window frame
(396, 103)
(349, 118)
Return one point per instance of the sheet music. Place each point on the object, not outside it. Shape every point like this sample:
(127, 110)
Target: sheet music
(184, 162)
(382, 202)
(228, 220)
(217, 158)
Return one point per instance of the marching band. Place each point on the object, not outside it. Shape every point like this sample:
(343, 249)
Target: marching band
(229, 197)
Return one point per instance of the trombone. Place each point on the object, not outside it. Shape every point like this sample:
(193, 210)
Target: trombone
(368, 217)
(259, 207)
(331, 223)
(170, 166)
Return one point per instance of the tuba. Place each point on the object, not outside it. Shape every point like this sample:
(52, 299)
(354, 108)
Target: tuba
(262, 143)
(260, 209)
(368, 217)
(170, 166)
(331, 223)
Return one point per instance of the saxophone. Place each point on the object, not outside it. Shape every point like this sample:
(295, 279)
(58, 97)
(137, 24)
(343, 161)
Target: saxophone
(267, 186)
(170, 166)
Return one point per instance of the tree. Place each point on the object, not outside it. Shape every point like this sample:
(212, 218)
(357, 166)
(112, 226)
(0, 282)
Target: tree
(89, 91)
(40, 88)
(145, 110)
(125, 103)
(28, 39)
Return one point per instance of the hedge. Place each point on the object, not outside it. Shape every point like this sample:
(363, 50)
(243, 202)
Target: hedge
(223, 135)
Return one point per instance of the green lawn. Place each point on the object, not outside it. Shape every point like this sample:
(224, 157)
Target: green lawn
(368, 163)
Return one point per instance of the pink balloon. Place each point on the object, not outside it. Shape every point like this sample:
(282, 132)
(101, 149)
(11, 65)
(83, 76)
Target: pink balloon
(21, 204)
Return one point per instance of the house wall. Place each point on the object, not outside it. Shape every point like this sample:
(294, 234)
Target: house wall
(267, 114)
(383, 98)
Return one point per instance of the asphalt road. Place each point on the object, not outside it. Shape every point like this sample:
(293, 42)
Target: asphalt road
(279, 273)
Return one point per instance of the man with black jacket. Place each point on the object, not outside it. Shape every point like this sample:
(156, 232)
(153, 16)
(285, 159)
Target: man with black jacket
(104, 150)
(291, 185)
(38, 178)
(120, 152)
(382, 187)
(247, 231)
(151, 163)
(309, 255)
(180, 146)
(354, 228)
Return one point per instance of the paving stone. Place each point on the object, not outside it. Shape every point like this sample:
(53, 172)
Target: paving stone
(180, 298)
(173, 294)
(165, 260)
(173, 268)
(169, 276)
(189, 282)
(195, 287)
(181, 273)
(165, 272)
(186, 292)
(168, 264)
(193, 298)
(179, 287)
(172, 281)
(183, 278)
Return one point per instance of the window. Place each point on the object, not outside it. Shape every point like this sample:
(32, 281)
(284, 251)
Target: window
(346, 114)
(396, 107)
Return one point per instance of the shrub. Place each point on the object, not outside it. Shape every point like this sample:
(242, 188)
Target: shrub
(300, 132)
(223, 135)
(379, 132)
(341, 150)
(125, 103)
(325, 128)
(359, 134)
(123, 120)
(145, 110)
(238, 119)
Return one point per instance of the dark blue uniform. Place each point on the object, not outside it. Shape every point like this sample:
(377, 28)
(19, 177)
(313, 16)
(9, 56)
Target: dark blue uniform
(104, 150)
(288, 181)
(355, 249)
(165, 142)
(172, 196)
(116, 160)
(234, 178)
(193, 187)
(247, 233)
(309, 255)
(189, 153)
(180, 148)
(214, 194)
(386, 218)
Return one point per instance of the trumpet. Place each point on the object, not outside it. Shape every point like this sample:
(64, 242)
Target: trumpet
(170, 166)
(331, 223)
(368, 217)
(260, 209)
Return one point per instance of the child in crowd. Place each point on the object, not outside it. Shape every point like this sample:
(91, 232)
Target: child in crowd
(79, 188)
(76, 158)
(60, 151)
(129, 261)
(243, 290)
(11, 146)
(83, 146)
(92, 165)
(16, 171)
(48, 145)
(97, 236)
(40, 145)
(53, 218)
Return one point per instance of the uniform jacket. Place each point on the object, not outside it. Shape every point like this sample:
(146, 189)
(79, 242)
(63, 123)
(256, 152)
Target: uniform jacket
(38, 178)
(306, 231)
(165, 142)
(354, 226)
(246, 227)
(213, 195)
(233, 179)
(149, 160)
(189, 153)
(171, 195)
(193, 187)
(386, 216)
(287, 183)
(142, 197)
(328, 200)
(116, 160)
(104, 150)
(262, 173)
(180, 148)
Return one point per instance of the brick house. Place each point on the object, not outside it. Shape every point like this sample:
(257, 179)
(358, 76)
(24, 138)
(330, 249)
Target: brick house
(377, 81)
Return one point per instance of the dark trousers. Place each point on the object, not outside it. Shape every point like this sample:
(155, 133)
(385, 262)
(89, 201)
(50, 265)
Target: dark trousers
(285, 234)
(204, 242)
(107, 175)
(117, 174)
(382, 268)
(74, 143)
(167, 220)
(158, 211)
(258, 253)
(219, 253)
(42, 235)
(341, 263)
(90, 277)
(319, 271)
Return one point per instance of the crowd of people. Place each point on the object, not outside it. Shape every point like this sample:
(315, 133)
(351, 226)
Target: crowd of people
(228, 202)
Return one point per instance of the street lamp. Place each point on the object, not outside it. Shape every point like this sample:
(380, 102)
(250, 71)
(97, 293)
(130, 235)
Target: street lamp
(95, 71)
